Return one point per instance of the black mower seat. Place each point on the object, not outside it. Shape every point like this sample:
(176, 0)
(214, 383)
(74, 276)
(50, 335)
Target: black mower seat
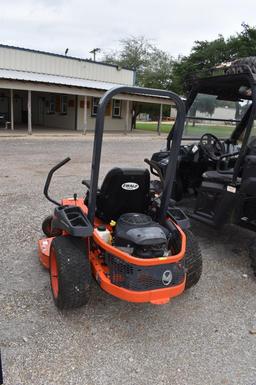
(215, 176)
(124, 190)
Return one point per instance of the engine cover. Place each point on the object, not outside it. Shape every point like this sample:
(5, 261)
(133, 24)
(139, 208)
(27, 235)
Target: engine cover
(138, 231)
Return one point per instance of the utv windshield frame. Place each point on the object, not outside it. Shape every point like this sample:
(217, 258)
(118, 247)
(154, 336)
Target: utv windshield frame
(226, 87)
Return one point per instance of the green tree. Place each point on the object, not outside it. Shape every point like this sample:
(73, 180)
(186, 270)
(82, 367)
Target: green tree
(244, 43)
(134, 54)
(153, 68)
(158, 72)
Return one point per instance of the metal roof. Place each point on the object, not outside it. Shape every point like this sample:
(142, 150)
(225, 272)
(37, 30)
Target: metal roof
(55, 79)
(64, 56)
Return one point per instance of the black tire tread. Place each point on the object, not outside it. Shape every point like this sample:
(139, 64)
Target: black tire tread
(252, 256)
(74, 272)
(193, 260)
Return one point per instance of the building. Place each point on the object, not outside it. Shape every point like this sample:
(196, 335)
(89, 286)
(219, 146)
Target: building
(45, 90)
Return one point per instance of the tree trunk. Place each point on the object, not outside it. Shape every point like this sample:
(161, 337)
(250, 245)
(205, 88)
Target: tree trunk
(135, 113)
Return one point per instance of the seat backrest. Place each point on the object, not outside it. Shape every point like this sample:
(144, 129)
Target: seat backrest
(123, 190)
(249, 161)
(252, 146)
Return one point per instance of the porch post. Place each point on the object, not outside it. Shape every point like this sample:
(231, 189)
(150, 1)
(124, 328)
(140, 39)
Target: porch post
(127, 117)
(160, 119)
(76, 112)
(12, 111)
(85, 115)
(29, 114)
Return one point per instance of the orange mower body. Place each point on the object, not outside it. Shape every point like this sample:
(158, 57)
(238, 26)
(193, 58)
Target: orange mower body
(112, 278)
(127, 234)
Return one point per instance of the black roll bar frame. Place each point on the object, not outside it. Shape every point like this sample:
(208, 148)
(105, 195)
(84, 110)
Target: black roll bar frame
(174, 150)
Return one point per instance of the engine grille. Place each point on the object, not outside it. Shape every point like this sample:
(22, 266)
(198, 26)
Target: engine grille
(135, 219)
(142, 278)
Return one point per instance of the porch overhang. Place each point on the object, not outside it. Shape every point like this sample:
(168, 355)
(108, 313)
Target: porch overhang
(31, 81)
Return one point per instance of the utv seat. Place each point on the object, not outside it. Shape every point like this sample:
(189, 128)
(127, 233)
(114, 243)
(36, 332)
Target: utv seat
(215, 201)
(217, 177)
(124, 190)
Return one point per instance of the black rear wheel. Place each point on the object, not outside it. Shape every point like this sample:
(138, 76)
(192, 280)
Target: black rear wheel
(193, 260)
(70, 272)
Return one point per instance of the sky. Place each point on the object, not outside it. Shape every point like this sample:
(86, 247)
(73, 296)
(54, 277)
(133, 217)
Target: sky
(81, 25)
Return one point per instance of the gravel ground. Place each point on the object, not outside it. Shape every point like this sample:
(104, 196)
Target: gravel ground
(200, 338)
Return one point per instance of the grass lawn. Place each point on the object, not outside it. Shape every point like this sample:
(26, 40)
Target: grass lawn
(197, 130)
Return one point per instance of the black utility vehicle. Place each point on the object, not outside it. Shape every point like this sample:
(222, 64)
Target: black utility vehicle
(220, 173)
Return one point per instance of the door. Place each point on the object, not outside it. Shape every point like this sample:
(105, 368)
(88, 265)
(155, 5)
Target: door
(41, 111)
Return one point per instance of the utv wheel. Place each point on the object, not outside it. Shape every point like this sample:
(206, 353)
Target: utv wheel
(252, 255)
(193, 260)
(47, 228)
(70, 272)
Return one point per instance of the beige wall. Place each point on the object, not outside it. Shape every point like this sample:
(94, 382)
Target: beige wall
(41, 116)
(110, 123)
(57, 119)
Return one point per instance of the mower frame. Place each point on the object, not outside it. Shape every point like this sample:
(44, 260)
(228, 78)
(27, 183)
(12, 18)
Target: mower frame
(76, 219)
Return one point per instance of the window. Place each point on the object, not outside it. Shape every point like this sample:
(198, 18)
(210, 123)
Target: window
(64, 104)
(213, 115)
(95, 102)
(116, 108)
(52, 105)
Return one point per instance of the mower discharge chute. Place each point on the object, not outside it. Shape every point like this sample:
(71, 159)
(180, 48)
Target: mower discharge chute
(126, 235)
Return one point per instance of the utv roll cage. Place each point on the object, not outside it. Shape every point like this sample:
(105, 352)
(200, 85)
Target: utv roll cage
(227, 87)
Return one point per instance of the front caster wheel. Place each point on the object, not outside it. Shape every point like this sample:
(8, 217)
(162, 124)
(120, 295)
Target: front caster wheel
(47, 228)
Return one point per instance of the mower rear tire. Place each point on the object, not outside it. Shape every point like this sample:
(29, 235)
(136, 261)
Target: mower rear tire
(47, 228)
(193, 260)
(70, 272)
(252, 255)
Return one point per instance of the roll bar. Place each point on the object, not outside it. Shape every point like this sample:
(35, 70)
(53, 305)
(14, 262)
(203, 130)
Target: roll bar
(174, 151)
(248, 128)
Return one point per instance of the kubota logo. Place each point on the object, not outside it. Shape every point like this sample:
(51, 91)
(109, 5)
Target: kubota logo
(130, 186)
(167, 277)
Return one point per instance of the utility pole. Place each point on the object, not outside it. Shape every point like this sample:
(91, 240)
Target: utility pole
(94, 51)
